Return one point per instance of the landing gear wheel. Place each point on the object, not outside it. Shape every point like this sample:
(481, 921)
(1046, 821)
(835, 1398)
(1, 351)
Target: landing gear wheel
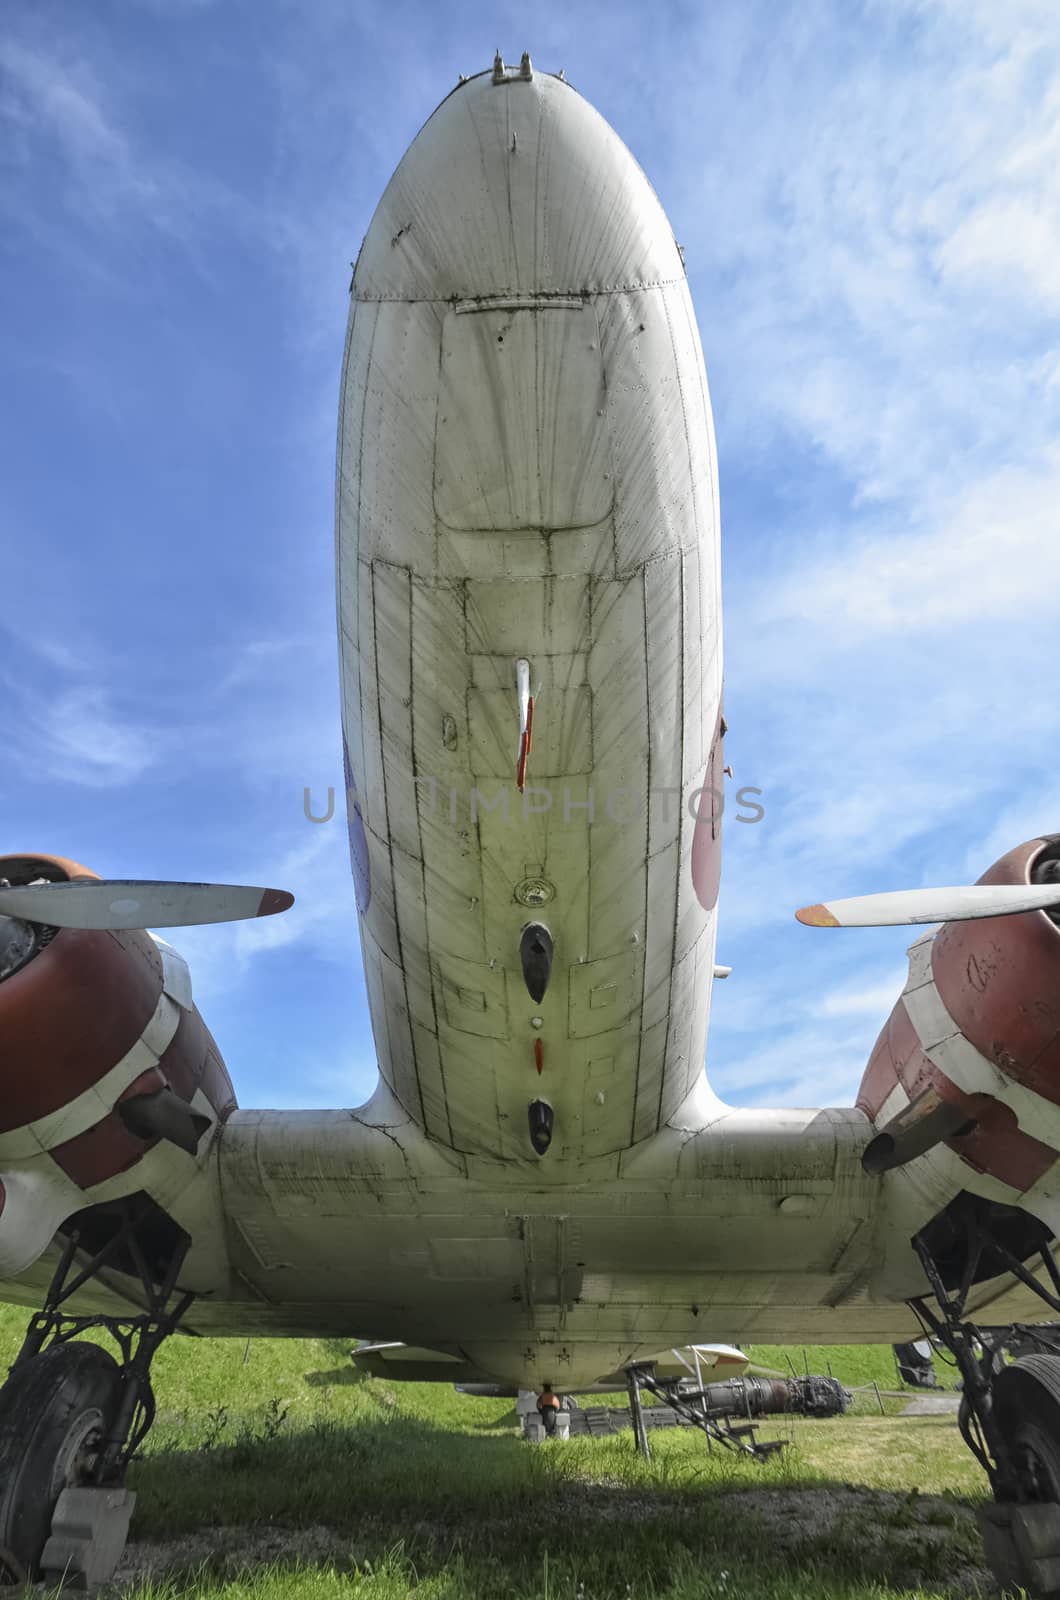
(1026, 1408)
(54, 1414)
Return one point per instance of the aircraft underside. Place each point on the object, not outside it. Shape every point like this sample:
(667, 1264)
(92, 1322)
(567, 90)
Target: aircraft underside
(338, 1226)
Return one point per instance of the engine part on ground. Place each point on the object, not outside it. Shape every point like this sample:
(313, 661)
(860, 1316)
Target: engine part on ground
(915, 1364)
(811, 1396)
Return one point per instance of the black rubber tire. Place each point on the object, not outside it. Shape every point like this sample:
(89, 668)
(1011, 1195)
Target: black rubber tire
(1026, 1399)
(54, 1412)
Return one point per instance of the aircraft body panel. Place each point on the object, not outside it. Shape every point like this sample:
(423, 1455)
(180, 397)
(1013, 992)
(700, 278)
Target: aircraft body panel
(527, 472)
(761, 1227)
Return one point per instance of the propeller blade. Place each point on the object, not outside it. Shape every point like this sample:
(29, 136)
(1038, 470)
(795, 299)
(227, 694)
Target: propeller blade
(907, 906)
(120, 903)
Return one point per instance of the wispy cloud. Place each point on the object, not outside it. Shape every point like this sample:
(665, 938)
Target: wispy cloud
(68, 726)
(942, 573)
(85, 740)
(41, 95)
(887, 346)
(62, 104)
(60, 114)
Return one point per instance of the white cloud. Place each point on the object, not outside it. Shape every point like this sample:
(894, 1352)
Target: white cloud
(348, 1081)
(807, 1067)
(317, 872)
(873, 999)
(42, 95)
(1033, 810)
(885, 261)
(983, 554)
(56, 102)
(1013, 243)
(322, 923)
(84, 740)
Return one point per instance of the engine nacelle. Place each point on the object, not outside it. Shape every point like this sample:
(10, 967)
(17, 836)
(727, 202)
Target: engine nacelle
(970, 1055)
(102, 1055)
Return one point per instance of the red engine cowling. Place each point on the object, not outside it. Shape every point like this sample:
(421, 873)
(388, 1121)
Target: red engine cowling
(978, 1029)
(89, 1020)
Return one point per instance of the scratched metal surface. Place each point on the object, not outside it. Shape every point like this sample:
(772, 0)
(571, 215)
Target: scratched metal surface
(526, 469)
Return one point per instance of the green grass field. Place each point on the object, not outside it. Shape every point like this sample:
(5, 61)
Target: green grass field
(273, 1471)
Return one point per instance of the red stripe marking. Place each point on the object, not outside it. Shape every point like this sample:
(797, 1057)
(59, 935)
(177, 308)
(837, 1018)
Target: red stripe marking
(539, 1054)
(108, 1147)
(274, 900)
(896, 1058)
(999, 979)
(998, 1146)
(525, 741)
(192, 1061)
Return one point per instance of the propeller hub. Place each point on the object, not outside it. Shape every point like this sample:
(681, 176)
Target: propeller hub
(19, 943)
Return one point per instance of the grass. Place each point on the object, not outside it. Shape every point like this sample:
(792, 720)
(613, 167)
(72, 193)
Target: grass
(274, 1471)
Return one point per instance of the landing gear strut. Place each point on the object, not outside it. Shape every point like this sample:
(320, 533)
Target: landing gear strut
(71, 1416)
(1010, 1414)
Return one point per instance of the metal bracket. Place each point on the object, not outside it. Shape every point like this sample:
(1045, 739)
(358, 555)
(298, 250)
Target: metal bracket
(975, 1349)
(137, 1337)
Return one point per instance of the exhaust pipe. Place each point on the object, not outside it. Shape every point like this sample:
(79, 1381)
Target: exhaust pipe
(925, 1122)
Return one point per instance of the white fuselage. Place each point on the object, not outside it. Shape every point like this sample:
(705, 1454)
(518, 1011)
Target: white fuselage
(527, 472)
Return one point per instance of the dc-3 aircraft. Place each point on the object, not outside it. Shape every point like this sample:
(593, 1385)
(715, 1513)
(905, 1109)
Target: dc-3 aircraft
(543, 1184)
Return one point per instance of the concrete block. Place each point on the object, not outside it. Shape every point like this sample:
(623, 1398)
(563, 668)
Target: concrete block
(88, 1535)
(534, 1428)
(526, 1403)
(1036, 1531)
(1022, 1546)
(999, 1545)
(562, 1425)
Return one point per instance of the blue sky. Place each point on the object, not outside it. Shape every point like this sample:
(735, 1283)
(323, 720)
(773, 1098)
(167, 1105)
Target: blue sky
(869, 201)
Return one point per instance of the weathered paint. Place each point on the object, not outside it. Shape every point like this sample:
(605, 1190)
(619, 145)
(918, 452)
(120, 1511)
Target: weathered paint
(527, 474)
